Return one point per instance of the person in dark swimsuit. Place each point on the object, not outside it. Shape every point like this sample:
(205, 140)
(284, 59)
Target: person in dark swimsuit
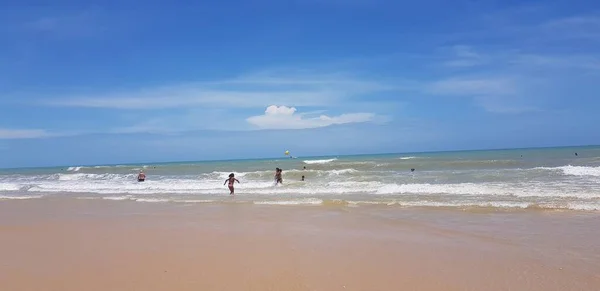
(278, 179)
(231, 180)
(141, 177)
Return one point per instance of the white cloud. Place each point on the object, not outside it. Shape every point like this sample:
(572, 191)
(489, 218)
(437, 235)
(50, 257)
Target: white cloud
(464, 56)
(496, 95)
(472, 86)
(66, 25)
(283, 117)
(22, 133)
(280, 110)
(256, 90)
(584, 62)
(577, 27)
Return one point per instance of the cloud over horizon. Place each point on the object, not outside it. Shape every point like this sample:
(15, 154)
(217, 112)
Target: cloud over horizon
(283, 117)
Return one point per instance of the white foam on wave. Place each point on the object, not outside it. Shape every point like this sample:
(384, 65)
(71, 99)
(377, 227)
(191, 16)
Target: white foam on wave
(581, 171)
(407, 158)
(81, 176)
(269, 174)
(117, 198)
(4, 197)
(9, 187)
(484, 189)
(73, 169)
(152, 200)
(335, 187)
(499, 204)
(310, 162)
(484, 204)
(128, 186)
(307, 201)
(342, 171)
(370, 185)
(584, 206)
(574, 170)
(156, 200)
(193, 201)
(225, 175)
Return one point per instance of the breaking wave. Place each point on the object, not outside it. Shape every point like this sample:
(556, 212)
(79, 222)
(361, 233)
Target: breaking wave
(310, 162)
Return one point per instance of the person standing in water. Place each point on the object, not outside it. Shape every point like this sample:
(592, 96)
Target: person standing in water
(141, 177)
(231, 180)
(278, 179)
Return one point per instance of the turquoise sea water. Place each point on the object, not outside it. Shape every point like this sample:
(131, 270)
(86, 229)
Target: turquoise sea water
(552, 178)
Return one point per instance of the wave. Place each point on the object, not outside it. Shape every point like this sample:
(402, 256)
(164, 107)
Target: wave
(118, 198)
(487, 189)
(320, 182)
(8, 197)
(82, 176)
(312, 201)
(268, 175)
(581, 171)
(310, 162)
(174, 187)
(506, 205)
(129, 186)
(9, 187)
(81, 168)
(407, 158)
(307, 201)
(574, 170)
(341, 172)
(152, 200)
(193, 201)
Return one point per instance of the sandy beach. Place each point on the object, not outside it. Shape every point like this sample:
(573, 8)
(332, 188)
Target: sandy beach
(78, 244)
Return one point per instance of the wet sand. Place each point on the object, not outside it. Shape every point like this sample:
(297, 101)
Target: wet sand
(69, 244)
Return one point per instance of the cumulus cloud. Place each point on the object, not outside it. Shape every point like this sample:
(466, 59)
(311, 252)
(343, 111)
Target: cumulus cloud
(284, 117)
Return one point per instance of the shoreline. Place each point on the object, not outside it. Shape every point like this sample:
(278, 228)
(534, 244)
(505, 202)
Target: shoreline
(69, 244)
(291, 200)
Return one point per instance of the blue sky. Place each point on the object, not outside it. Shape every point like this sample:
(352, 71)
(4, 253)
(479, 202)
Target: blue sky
(125, 81)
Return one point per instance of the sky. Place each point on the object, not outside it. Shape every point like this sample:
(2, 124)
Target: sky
(142, 81)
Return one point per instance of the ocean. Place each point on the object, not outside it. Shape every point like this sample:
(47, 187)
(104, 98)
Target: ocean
(565, 178)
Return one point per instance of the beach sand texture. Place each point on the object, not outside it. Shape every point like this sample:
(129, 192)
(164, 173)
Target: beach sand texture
(69, 244)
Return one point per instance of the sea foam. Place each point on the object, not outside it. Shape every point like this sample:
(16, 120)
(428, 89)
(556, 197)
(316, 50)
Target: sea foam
(319, 161)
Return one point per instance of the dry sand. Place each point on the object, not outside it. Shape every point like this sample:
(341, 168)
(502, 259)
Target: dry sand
(68, 244)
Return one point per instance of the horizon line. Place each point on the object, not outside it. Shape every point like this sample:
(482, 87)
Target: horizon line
(317, 156)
